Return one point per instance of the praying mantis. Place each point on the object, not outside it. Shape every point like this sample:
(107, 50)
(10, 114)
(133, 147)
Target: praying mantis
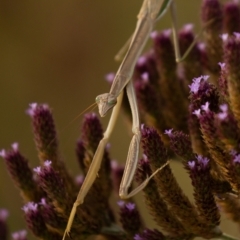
(151, 11)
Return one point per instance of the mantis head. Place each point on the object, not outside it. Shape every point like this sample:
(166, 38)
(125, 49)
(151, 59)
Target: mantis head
(105, 102)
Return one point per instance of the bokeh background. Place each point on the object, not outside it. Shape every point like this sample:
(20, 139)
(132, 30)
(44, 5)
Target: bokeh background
(58, 52)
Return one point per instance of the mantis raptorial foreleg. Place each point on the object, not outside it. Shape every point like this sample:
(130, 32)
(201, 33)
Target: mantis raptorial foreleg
(132, 158)
(95, 165)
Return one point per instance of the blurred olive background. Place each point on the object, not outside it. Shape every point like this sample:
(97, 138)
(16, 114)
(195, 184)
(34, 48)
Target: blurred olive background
(57, 52)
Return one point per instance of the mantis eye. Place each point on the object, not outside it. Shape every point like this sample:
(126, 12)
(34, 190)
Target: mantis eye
(97, 99)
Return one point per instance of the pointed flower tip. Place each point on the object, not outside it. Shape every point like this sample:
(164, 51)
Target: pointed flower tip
(110, 77)
(19, 235)
(4, 214)
(31, 111)
(30, 206)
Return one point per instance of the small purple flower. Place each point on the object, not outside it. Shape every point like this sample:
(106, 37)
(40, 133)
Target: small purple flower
(237, 35)
(168, 132)
(121, 204)
(30, 207)
(145, 77)
(142, 60)
(224, 37)
(130, 206)
(222, 65)
(20, 235)
(197, 112)
(202, 160)
(15, 147)
(3, 214)
(37, 170)
(188, 27)
(224, 114)
(205, 107)
(110, 77)
(191, 164)
(47, 163)
(236, 159)
(138, 237)
(194, 87)
(3, 153)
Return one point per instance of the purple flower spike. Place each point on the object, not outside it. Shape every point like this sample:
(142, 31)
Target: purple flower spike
(21, 173)
(130, 218)
(231, 17)
(199, 170)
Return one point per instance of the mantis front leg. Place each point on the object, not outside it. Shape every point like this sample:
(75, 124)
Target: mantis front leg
(95, 165)
(133, 152)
